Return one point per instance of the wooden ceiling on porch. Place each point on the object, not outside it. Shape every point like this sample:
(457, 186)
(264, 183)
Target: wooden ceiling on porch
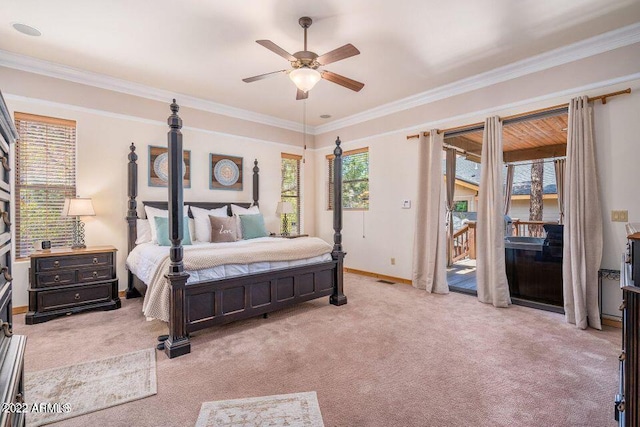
(527, 140)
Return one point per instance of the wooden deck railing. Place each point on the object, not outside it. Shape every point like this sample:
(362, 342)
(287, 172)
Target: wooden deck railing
(464, 242)
(529, 228)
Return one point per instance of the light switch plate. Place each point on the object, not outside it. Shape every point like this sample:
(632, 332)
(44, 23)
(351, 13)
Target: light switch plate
(406, 204)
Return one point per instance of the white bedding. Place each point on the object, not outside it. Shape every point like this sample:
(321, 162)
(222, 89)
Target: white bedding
(145, 258)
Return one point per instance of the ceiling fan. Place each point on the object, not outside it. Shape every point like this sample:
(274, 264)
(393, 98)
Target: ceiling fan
(304, 72)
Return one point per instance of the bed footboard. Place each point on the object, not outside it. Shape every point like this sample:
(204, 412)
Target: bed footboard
(227, 300)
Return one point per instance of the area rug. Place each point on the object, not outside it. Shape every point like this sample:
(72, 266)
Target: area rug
(61, 393)
(297, 409)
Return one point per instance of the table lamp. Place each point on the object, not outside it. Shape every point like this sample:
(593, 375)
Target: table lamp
(76, 208)
(284, 208)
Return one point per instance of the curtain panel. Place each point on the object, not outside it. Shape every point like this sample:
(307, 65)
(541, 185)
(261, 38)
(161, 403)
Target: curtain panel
(429, 246)
(508, 189)
(583, 220)
(560, 167)
(491, 276)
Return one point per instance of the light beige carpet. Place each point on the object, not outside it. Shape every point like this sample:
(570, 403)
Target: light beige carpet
(60, 393)
(296, 409)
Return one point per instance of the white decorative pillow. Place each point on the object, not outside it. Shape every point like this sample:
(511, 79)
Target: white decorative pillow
(239, 210)
(144, 231)
(192, 229)
(202, 223)
(154, 212)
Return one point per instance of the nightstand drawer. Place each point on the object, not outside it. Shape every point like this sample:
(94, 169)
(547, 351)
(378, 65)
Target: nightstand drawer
(91, 275)
(60, 299)
(56, 263)
(66, 277)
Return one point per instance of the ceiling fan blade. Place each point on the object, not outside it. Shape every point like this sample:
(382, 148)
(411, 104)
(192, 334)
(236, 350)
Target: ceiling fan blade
(261, 76)
(342, 81)
(276, 49)
(301, 95)
(346, 51)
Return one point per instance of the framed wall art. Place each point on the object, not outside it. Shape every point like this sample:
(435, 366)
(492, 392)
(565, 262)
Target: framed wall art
(159, 167)
(225, 172)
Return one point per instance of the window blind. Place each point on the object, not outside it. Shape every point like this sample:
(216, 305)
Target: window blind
(355, 179)
(290, 189)
(45, 175)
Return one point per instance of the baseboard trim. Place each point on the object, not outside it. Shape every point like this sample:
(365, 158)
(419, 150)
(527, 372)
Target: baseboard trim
(378, 276)
(612, 322)
(122, 294)
(20, 310)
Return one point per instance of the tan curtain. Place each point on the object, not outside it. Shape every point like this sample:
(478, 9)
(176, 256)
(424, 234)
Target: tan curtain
(560, 167)
(508, 188)
(583, 220)
(429, 245)
(491, 274)
(450, 173)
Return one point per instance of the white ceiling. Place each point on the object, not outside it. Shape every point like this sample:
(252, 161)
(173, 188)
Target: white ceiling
(204, 48)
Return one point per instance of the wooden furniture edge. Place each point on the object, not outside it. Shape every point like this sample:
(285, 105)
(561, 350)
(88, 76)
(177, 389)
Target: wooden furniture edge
(378, 276)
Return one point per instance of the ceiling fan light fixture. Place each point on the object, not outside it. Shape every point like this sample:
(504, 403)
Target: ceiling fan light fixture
(305, 78)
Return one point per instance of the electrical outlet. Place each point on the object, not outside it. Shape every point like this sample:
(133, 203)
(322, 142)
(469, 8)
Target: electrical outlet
(393, 261)
(406, 204)
(619, 216)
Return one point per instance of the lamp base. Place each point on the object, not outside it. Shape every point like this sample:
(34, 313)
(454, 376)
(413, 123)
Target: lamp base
(78, 235)
(285, 226)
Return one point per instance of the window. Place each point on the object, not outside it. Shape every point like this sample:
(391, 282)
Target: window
(45, 176)
(290, 189)
(355, 179)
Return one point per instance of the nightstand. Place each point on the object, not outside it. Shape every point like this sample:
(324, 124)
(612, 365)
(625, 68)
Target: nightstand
(66, 281)
(288, 236)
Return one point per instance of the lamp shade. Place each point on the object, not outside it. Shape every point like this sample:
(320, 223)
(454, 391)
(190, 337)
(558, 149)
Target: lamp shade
(284, 208)
(78, 207)
(305, 78)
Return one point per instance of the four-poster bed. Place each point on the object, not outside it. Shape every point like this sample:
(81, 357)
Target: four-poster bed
(201, 304)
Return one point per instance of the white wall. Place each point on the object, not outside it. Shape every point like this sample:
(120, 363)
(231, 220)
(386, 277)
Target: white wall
(102, 148)
(393, 177)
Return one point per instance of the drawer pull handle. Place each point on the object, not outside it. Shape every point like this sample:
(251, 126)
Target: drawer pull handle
(5, 217)
(6, 274)
(6, 328)
(95, 260)
(56, 263)
(56, 278)
(77, 296)
(5, 163)
(95, 274)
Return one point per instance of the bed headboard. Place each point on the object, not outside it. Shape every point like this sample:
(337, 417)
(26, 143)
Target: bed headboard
(132, 211)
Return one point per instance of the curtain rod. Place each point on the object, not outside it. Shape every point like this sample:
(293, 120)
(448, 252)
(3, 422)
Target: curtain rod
(530, 162)
(603, 98)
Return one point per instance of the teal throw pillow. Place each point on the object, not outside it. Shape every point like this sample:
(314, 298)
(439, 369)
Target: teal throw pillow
(253, 226)
(162, 231)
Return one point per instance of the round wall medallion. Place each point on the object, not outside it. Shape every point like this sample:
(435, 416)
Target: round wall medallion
(226, 172)
(161, 167)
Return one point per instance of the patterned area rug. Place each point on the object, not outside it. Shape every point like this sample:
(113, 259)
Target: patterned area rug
(60, 393)
(297, 409)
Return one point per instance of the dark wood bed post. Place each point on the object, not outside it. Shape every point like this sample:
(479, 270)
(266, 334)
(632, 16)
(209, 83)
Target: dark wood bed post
(178, 342)
(256, 182)
(132, 216)
(338, 297)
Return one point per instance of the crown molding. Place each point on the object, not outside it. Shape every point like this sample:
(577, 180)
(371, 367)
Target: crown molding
(59, 71)
(593, 46)
(120, 116)
(486, 112)
(602, 43)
